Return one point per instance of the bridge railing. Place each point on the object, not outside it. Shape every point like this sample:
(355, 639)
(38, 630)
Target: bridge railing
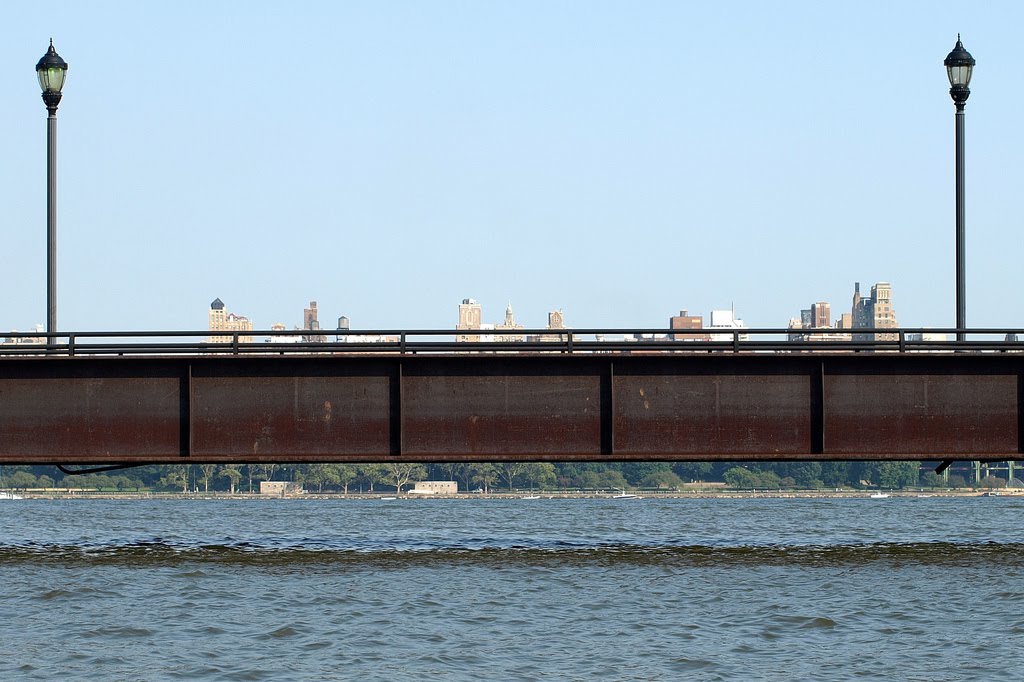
(508, 341)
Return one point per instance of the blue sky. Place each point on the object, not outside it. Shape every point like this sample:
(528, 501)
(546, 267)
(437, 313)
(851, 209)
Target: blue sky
(620, 161)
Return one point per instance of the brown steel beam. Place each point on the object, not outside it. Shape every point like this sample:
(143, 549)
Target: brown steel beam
(495, 407)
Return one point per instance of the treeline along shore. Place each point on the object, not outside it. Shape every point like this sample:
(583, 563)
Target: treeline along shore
(565, 478)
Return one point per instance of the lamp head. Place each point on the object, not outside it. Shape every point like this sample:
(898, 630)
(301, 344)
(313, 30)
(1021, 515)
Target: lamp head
(959, 67)
(51, 70)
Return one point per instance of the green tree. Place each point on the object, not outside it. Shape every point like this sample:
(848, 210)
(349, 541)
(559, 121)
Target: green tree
(318, 475)
(250, 474)
(373, 474)
(693, 471)
(635, 472)
(484, 475)
(612, 479)
(898, 474)
(835, 474)
(740, 478)
(463, 471)
(22, 480)
(344, 475)
(805, 474)
(121, 483)
(539, 474)
(207, 471)
(400, 473)
(265, 471)
(509, 471)
(176, 476)
(448, 469)
(588, 480)
(233, 476)
(662, 480)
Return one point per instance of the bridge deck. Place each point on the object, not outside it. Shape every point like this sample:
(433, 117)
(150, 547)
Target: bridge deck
(493, 407)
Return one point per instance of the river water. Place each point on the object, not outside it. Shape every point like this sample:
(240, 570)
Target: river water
(648, 589)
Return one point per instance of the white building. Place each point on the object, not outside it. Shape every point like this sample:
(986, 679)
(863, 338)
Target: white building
(725, 319)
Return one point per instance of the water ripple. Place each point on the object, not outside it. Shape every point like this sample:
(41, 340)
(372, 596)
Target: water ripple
(538, 553)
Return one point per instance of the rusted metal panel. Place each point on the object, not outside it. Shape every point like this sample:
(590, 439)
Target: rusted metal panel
(730, 414)
(481, 408)
(509, 407)
(921, 414)
(314, 409)
(60, 410)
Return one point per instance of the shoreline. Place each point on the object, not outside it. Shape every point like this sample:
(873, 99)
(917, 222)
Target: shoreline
(525, 496)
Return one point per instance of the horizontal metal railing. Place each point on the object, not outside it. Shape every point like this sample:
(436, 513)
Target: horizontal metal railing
(517, 341)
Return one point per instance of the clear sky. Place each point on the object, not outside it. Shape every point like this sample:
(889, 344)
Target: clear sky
(618, 160)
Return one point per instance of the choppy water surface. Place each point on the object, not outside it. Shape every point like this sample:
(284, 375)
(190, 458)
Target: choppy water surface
(904, 588)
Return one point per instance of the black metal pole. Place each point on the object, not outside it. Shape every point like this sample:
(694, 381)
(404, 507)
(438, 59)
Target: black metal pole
(961, 277)
(51, 222)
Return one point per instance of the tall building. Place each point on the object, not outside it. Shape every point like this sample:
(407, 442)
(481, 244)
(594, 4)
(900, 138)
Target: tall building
(556, 319)
(815, 324)
(556, 323)
(310, 323)
(821, 314)
(874, 312)
(726, 319)
(470, 313)
(223, 321)
(685, 321)
(509, 325)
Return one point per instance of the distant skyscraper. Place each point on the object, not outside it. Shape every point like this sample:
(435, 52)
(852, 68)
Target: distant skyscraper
(815, 324)
(508, 325)
(310, 323)
(470, 313)
(556, 319)
(876, 312)
(223, 321)
(556, 323)
(821, 314)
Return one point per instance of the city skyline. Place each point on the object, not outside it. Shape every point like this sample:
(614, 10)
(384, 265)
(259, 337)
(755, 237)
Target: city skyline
(815, 323)
(565, 155)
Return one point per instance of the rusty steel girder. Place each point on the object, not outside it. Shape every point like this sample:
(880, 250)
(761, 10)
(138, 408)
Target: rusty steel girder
(481, 407)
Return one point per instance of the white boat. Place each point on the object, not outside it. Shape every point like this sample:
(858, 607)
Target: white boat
(389, 498)
(4, 495)
(623, 495)
(878, 496)
(530, 497)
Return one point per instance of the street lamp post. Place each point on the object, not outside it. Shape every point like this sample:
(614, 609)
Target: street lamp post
(51, 70)
(959, 67)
